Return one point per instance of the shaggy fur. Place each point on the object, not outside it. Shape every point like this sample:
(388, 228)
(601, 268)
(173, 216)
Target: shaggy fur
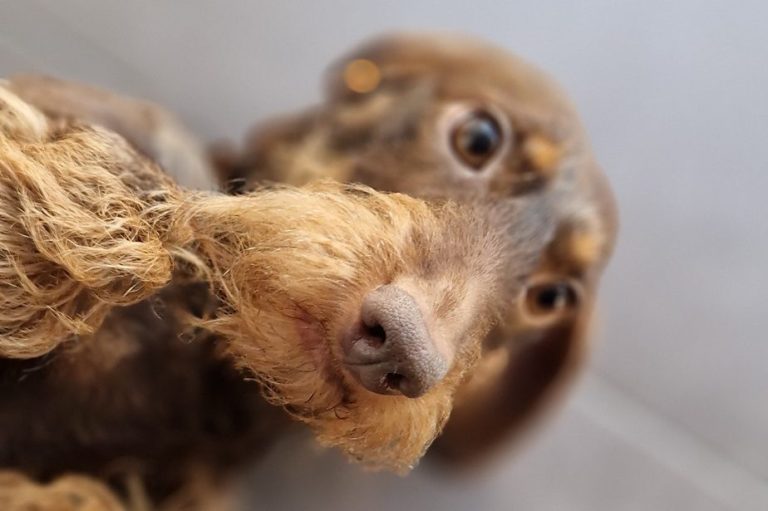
(76, 240)
(68, 493)
(88, 227)
(387, 121)
(391, 110)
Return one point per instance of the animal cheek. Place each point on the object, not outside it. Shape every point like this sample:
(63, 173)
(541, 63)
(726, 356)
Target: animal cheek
(309, 331)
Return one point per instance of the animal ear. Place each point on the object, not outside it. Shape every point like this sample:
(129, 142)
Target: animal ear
(508, 395)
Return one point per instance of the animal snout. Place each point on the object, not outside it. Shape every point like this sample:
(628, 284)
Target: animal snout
(391, 351)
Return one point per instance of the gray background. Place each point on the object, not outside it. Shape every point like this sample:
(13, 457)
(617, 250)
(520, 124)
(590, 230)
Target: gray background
(673, 413)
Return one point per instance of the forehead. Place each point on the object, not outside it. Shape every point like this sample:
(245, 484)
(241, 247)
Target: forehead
(461, 68)
(457, 68)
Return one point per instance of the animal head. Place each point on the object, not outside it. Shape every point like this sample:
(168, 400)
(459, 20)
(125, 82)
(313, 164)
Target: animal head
(359, 312)
(439, 116)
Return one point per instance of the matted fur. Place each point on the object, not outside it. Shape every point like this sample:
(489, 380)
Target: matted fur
(87, 224)
(75, 239)
(67, 493)
(334, 261)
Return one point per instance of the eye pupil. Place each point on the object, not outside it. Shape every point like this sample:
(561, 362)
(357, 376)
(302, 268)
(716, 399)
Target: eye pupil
(476, 139)
(553, 297)
(549, 298)
(480, 138)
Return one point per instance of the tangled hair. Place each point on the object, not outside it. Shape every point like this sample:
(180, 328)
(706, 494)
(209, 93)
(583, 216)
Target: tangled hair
(67, 493)
(76, 239)
(334, 259)
(87, 224)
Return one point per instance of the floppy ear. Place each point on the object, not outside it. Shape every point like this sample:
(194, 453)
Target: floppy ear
(150, 129)
(510, 393)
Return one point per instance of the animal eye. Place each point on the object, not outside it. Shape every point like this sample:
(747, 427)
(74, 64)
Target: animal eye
(476, 138)
(551, 298)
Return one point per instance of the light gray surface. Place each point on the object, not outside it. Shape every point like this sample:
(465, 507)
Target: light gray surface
(674, 413)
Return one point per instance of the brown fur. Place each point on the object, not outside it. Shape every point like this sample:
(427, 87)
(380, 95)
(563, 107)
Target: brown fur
(389, 133)
(67, 493)
(394, 136)
(153, 131)
(93, 237)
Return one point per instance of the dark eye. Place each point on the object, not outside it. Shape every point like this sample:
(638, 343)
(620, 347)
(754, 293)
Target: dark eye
(551, 298)
(476, 138)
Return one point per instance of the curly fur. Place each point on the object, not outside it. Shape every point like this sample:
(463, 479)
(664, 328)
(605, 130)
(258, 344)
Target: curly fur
(399, 135)
(87, 225)
(75, 239)
(67, 493)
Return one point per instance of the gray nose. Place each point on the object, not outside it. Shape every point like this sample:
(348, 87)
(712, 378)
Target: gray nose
(392, 351)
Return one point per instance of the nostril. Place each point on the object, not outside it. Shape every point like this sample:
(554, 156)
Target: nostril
(374, 334)
(394, 381)
(366, 344)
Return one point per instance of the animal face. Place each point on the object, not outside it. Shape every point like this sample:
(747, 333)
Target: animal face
(450, 118)
(444, 117)
(361, 312)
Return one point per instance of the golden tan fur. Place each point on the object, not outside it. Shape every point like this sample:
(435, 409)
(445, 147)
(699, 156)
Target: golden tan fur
(151, 130)
(81, 493)
(402, 121)
(67, 493)
(74, 243)
(390, 134)
(88, 226)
